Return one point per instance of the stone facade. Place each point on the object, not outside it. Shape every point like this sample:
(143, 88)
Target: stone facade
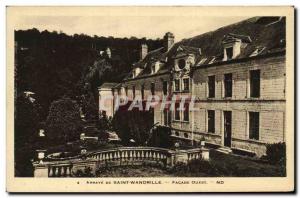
(186, 70)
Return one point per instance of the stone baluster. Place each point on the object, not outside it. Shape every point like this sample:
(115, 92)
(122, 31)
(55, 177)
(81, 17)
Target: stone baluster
(134, 154)
(126, 154)
(56, 171)
(147, 154)
(50, 171)
(159, 156)
(68, 171)
(62, 171)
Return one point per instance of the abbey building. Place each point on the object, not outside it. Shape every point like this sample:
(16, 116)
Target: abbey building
(237, 75)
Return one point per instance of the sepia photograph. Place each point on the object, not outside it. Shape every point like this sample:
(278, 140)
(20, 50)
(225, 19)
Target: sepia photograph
(150, 99)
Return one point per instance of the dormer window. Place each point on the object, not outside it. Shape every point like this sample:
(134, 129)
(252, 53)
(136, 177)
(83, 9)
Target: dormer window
(155, 67)
(136, 72)
(233, 44)
(152, 69)
(229, 53)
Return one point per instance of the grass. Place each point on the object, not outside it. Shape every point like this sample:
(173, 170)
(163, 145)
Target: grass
(220, 165)
(224, 165)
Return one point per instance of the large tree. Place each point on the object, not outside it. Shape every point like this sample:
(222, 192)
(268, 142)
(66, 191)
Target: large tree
(27, 118)
(89, 107)
(63, 122)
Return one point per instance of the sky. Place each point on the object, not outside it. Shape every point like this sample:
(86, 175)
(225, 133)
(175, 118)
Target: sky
(120, 26)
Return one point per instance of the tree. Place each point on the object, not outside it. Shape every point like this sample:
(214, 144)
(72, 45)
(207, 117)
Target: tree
(133, 124)
(63, 122)
(27, 118)
(90, 109)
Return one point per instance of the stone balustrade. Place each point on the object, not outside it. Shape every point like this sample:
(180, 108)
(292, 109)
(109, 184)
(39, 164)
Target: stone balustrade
(116, 157)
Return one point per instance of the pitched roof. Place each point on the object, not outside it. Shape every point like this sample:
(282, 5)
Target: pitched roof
(261, 35)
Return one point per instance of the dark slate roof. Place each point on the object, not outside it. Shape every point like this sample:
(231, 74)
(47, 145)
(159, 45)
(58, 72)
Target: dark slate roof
(262, 35)
(271, 36)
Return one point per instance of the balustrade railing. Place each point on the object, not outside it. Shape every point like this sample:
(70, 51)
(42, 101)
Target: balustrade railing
(65, 167)
(131, 153)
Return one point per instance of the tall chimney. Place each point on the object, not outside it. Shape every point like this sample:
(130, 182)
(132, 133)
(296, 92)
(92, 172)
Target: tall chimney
(108, 52)
(143, 51)
(168, 40)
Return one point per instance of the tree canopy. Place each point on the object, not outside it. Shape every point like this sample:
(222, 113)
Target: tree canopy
(63, 122)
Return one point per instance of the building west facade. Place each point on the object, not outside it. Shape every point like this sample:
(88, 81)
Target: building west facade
(236, 74)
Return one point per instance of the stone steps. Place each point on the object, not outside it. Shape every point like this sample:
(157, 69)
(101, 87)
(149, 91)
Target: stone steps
(225, 150)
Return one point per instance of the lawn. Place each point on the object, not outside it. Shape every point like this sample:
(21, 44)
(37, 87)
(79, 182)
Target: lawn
(220, 165)
(225, 165)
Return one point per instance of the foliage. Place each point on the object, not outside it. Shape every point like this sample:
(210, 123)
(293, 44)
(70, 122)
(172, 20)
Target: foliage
(161, 137)
(27, 118)
(104, 123)
(63, 122)
(276, 153)
(53, 64)
(223, 165)
(89, 107)
(133, 124)
(87, 172)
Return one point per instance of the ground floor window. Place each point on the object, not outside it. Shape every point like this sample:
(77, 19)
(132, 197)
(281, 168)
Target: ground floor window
(254, 125)
(211, 121)
(166, 117)
(186, 113)
(177, 111)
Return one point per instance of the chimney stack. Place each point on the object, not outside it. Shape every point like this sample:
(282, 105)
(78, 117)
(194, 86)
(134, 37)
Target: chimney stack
(168, 40)
(143, 51)
(108, 52)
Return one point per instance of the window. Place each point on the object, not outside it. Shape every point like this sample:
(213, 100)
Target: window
(186, 115)
(254, 125)
(177, 112)
(165, 117)
(133, 91)
(229, 53)
(211, 121)
(177, 133)
(228, 85)
(177, 85)
(152, 88)
(211, 86)
(186, 84)
(152, 69)
(165, 88)
(186, 135)
(181, 63)
(255, 83)
(143, 91)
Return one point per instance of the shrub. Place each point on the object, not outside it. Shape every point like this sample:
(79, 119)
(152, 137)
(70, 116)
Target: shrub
(276, 153)
(87, 172)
